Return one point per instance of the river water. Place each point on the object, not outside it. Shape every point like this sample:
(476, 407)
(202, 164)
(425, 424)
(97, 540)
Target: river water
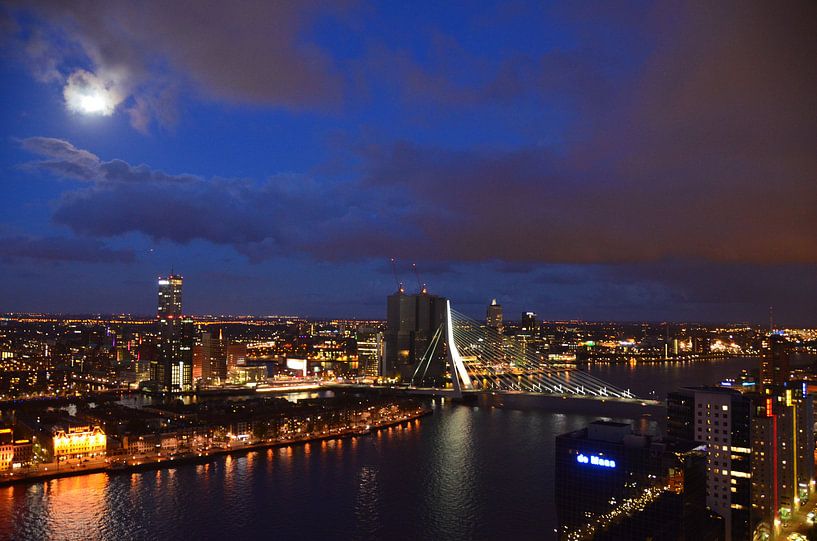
(461, 473)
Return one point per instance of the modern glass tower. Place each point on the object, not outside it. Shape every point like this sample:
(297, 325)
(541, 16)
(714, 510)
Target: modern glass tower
(172, 371)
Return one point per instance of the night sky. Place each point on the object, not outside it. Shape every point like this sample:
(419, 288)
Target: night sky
(592, 160)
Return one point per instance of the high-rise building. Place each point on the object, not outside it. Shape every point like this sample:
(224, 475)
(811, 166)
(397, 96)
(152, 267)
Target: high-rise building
(723, 421)
(774, 365)
(172, 370)
(782, 456)
(369, 344)
(760, 451)
(412, 321)
(528, 325)
(493, 316)
(213, 358)
(613, 483)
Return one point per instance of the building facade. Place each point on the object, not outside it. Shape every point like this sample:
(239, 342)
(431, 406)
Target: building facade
(615, 484)
(412, 322)
(172, 370)
(760, 452)
(493, 316)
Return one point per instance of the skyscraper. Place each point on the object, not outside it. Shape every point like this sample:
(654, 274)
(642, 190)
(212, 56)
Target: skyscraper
(172, 370)
(214, 358)
(529, 325)
(774, 365)
(493, 316)
(413, 320)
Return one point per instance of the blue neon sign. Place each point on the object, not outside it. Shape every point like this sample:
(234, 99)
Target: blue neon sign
(596, 461)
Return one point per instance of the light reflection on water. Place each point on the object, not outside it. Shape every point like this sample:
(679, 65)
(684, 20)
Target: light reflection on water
(461, 473)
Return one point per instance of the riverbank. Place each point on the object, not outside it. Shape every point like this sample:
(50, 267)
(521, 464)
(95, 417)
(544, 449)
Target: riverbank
(116, 465)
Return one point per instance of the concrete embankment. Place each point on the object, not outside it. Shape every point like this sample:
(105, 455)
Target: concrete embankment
(142, 463)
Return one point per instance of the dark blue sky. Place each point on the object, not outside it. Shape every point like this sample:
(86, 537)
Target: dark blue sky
(584, 160)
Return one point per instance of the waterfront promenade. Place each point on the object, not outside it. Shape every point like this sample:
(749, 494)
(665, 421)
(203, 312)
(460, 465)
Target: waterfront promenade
(147, 461)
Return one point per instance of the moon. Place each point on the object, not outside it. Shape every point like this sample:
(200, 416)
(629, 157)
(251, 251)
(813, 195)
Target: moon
(93, 104)
(87, 93)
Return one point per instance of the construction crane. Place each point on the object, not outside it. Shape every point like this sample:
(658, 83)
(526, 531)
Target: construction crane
(400, 287)
(420, 287)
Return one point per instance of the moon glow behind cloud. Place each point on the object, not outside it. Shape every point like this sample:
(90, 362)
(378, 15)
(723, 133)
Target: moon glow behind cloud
(90, 94)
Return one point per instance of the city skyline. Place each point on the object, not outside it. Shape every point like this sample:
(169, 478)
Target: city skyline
(648, 163)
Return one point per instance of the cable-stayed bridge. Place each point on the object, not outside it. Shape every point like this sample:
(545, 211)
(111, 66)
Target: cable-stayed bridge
(480, 359)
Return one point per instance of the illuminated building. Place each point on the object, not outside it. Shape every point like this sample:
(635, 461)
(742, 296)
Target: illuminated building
(242, 375)
(760, 450)
(213, 358)
(774, 365)
(6, 448)
(236, 355)
(613, 484)
(172, 370)
(77, 442)
(413, 321)
(782, 455)
(198, 361)
(529, 325)
(369, 343)
(723, 423)
(493, 316)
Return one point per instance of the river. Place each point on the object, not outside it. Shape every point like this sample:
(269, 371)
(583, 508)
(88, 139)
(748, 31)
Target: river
(462, 473)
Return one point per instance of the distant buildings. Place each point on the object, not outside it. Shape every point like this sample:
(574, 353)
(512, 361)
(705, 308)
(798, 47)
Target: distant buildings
(172, 370)
(236, 355)
(213, 354)
(493, 316)
(529, 326)
(412, 322)
(369, 345)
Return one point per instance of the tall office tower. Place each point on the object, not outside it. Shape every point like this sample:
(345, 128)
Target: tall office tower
(214, 358)
(493, 316)
(413, 321)
(368, 350)
(612, 484)
(782, 456)
(172, 371)
(529, 325)
(723, 422)
(774, 365)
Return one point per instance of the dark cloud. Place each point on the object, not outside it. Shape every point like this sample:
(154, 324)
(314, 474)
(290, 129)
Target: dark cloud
(285, 213)
(56, 249)
(245, 52)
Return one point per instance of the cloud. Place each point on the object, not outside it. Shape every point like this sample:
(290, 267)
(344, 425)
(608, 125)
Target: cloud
(241, 52)
(89, 93)
(285, 212)
(57, 249)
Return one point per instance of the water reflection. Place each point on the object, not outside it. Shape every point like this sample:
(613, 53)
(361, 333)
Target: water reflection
(461, 473)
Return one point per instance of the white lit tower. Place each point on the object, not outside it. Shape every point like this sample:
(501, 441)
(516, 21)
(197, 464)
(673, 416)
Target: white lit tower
(172, 371)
